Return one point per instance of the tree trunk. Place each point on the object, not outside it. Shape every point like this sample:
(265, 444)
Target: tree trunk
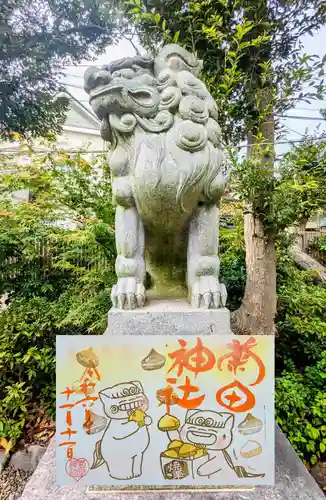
(256, 315)
(258, 309)
(257, 312)
(303, 224)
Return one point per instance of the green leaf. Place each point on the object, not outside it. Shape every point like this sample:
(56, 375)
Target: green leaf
(176, 37)
(135, 10)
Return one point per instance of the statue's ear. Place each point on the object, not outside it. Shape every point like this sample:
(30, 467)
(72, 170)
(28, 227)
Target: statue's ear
(104, 397)
(190, 413)
(137, 384)
(229, 421)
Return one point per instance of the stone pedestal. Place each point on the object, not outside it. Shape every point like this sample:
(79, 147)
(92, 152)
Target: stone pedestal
(175, 317)
(292, 482)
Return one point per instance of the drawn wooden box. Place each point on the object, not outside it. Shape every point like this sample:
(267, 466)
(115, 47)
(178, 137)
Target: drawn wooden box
(181, 468)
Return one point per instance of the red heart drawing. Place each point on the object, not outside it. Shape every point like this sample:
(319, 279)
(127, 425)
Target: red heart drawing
(77, 468)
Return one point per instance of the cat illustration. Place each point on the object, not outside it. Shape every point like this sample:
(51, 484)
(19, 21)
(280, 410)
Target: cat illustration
(212, 430)
(125, 438)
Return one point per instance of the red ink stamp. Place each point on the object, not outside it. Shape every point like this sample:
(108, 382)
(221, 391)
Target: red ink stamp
(77, 468)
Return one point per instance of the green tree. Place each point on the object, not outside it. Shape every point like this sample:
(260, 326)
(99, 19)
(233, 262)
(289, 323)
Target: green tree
(38, 39)
(317, 248)
(57, 276)
(254, 68)
(300, 361)
(302, 191)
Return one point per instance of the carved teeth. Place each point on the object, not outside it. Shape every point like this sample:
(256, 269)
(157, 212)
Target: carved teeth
(126, 406)
(132, 405)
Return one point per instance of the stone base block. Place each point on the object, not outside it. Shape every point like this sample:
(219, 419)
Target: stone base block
(292, 482)
(169, 317)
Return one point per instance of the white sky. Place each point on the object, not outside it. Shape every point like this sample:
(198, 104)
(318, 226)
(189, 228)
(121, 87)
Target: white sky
(296, 127)
(312, 45)
(75, 74)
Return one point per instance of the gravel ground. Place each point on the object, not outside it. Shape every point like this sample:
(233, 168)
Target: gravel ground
(38, 431)
(12, 483)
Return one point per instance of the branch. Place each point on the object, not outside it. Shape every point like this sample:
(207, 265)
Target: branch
(132, 42)
(305, 261)
(86, 27)
(24, 45)
(133, 45)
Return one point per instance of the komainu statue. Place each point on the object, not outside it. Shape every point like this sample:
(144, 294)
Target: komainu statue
(167, 176)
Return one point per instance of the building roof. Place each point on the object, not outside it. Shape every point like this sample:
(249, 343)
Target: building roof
(79, 115)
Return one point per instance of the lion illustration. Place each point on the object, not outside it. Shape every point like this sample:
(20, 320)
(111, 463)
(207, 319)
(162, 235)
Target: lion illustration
(167, 176)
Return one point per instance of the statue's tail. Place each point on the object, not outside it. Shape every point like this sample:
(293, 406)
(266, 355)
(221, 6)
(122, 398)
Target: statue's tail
(98, 459)
(238, 469)
(242, 472)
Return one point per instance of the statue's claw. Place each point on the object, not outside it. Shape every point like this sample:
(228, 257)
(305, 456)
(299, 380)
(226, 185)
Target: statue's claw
(128, 294)
(208, 293)
(140, 295)
(224, 294)
(216, 300)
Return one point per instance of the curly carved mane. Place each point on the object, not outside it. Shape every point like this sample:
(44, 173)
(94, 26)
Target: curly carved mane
(164, 97)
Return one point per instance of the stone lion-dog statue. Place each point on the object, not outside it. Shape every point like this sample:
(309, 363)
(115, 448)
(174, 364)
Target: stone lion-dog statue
(167, 177)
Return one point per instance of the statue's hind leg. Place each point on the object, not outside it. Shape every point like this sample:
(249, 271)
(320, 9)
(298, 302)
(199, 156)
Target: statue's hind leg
(129, 291)
(203, 264)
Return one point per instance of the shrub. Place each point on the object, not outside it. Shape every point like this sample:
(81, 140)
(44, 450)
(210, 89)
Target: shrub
(233, 268)
(27, 363)
(300, 402)
(68, 297)
(317, 248)
(301, 315)
(300, 397)
(57, 280)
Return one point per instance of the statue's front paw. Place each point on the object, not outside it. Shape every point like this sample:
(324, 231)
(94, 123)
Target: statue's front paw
(208, 293)
(128, 294)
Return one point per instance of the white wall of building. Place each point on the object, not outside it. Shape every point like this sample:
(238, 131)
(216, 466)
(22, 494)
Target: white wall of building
(81, 132)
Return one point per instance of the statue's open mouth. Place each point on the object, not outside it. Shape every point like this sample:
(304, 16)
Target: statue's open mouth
(133, 404)
(142, 96)
(206, 438)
